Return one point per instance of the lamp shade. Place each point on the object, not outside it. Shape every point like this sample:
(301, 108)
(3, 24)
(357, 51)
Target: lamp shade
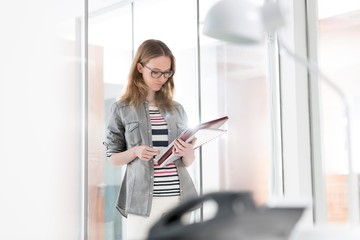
(234, 21)
(241, 22)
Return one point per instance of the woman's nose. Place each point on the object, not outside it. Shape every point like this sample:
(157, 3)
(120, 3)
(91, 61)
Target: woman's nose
(163, 78)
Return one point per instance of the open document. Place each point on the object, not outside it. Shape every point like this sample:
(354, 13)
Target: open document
(204, 132)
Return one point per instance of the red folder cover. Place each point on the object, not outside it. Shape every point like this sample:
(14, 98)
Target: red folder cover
(203, 132)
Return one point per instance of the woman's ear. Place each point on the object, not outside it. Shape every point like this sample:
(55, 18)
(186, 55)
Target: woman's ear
(139, 67)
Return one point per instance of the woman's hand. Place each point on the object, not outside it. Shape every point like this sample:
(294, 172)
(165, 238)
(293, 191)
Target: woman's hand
(145, 153)
(185, 150)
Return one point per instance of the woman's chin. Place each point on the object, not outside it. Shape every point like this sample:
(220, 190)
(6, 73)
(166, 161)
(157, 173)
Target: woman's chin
(157, 89)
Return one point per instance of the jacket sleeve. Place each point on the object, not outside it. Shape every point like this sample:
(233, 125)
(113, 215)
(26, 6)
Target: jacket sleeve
(115, 138)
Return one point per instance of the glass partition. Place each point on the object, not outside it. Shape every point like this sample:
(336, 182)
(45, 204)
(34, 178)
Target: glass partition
(110, 54)
(212, 79)
(115, 31)
(164, 20)
(234, 82)
(338, 51)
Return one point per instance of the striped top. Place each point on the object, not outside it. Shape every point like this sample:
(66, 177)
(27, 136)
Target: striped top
(166, 179)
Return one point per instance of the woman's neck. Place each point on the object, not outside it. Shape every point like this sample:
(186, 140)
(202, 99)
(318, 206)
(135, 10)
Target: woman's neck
(151, 99)
(152, 103)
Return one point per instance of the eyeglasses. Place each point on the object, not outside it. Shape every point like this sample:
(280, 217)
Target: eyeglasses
(158, 74)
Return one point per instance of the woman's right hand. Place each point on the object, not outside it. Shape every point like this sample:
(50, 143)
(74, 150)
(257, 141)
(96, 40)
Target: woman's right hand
(145, 153)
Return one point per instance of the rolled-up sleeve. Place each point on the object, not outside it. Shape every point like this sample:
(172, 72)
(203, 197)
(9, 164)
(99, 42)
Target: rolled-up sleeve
(115, 139)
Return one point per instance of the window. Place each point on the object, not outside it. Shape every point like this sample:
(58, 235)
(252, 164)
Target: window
(338, 51)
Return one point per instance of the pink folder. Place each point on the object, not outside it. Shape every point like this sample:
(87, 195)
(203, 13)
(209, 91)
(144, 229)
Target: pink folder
(204, 133)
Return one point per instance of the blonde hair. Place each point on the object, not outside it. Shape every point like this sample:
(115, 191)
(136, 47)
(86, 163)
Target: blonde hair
(136, 90)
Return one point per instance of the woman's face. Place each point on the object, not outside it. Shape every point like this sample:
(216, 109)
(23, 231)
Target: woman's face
(156, 72)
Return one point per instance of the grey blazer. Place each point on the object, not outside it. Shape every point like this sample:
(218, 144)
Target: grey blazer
(130, 126)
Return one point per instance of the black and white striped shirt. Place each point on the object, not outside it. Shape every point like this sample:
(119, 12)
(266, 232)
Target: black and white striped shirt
(166, 179)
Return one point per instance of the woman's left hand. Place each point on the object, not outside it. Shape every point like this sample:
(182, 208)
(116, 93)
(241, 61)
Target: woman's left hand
(185, 150)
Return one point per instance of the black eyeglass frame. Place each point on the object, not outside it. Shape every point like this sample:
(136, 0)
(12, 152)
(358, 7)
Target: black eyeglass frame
(157, 73)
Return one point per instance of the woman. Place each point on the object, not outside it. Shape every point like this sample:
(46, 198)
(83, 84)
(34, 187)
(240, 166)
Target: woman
(144, 119)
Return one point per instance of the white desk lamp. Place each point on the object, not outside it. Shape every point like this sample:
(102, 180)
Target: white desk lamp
(240, 22)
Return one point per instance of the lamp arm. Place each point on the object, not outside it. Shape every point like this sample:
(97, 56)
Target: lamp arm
(312, 68)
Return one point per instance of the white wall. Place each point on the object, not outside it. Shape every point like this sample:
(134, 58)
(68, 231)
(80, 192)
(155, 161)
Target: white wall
(40, 173)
